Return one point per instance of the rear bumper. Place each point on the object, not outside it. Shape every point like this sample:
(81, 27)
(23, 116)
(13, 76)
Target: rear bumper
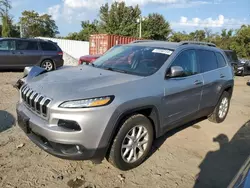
(58, 63)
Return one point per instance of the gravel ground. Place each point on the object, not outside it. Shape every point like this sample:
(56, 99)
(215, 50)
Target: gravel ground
(199, 155)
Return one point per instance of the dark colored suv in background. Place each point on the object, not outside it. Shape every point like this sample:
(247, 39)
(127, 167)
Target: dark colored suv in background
(240, 69)
(16, 53)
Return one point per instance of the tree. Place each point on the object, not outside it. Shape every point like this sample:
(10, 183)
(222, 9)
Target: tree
(4, 13)
(73, 36)
(179, 36)
(119, 19)
(88, 28)
(208, 33)
(241, 42)
(34, 25)
(155, 27)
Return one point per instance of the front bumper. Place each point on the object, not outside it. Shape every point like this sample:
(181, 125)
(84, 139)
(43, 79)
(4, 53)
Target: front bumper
(60, 142)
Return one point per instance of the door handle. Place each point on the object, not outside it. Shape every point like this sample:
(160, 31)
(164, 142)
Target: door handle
(198, 82)
(222, 76)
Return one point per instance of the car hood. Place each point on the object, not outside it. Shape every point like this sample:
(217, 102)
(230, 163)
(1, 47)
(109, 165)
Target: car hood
(73, 83)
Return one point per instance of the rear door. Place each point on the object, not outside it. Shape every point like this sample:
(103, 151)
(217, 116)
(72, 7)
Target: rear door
(28, 53)
(211, 75)
(8, 58)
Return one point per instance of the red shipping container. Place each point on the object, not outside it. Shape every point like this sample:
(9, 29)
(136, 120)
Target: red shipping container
(100, 43)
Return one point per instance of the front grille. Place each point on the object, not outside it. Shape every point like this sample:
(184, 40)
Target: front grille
(35, 101)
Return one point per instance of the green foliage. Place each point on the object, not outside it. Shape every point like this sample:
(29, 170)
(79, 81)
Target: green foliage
(5, 6)
(5, 18)
(14, 30)
(88, 28)
(120, 19)
(238, 40)
(34, 25)
(155, 27)
(5, 26)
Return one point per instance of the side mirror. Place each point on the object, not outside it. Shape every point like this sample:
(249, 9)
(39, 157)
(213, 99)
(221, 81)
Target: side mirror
(175, 71)
(26, 71)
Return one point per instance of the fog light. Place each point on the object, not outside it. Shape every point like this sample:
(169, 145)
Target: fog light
(67, 124)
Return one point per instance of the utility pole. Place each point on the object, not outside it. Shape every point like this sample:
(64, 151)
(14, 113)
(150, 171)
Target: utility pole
(139, 20)
(21, 30)
(140, 28)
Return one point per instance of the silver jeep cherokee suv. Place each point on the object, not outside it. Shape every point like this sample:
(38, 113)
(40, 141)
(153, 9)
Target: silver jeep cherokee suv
(118, 105)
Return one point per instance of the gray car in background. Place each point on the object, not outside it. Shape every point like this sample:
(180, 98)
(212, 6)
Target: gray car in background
(16, 53)
(116, 106)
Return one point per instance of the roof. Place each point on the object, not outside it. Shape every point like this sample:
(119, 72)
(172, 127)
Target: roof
(228, 50)
(31, 39)
(158, 44)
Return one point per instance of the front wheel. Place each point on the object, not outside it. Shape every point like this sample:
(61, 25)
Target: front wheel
(132, 143)
(48, 65)
(221, 110)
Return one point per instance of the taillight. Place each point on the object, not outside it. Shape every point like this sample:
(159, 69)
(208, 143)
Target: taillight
(92, 60)
(79, 62)
(60, 53)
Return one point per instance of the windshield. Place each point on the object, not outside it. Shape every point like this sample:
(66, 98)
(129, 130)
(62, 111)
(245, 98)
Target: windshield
(112, 48)
(138, 60)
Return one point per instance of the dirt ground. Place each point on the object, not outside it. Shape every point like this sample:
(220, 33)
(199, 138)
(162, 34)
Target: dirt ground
(197, 155)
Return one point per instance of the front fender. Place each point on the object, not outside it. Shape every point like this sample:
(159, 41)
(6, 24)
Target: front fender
(127, 109)
(29, 73)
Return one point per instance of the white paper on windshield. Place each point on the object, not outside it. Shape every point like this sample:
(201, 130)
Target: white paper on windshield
(162, 51)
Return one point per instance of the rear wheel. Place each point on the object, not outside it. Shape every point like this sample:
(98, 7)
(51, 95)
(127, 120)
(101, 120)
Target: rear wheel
(132, 143)
(48, 65)
(221, 110)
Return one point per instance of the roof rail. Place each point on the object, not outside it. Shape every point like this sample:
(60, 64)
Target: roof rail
(138, 41)
(198, 43)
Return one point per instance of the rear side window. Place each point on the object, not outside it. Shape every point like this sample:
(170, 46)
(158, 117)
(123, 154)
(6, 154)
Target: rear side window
(221, 60)
(26, 45)
(7, 45)
(207, 60)
(187, 60)
(46, 46)
(231, 55)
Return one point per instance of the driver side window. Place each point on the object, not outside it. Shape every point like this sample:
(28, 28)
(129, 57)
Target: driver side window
(187, 60)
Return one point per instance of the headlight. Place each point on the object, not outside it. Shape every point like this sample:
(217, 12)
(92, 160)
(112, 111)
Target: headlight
(88, 103)
(240, 68)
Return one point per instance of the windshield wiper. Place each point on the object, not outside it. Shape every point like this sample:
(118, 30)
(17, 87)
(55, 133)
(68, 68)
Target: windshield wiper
(93, 65)
(115, 70)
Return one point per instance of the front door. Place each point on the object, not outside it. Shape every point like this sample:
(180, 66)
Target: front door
(182, 94)
(7, 55)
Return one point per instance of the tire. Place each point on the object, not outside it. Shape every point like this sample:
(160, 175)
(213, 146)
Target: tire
(48, 65)
(218, 116)
(135, 122)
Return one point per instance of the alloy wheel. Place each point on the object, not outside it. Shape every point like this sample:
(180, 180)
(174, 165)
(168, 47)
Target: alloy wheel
(134, 144)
